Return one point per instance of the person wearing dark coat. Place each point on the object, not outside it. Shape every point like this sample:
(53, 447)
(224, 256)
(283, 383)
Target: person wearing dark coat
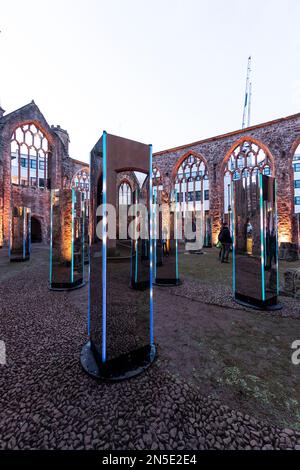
(226, 241)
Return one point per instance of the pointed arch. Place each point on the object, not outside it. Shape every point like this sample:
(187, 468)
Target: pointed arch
(183, 158)
(252, 141)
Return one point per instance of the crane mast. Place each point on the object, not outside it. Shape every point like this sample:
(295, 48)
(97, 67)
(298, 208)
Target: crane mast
(248, 96)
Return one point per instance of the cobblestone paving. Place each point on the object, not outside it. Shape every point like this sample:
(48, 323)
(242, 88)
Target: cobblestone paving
(48, 402)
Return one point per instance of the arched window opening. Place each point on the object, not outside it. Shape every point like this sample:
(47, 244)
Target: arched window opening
(192, 185)
(192, 192)
(36, 230)
(157, 184)
(247, 160)
(29, 157)
(296, 171)
(81, 182)
(125, 194)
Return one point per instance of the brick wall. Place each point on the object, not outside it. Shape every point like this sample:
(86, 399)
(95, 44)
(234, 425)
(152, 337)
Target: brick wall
(278, 138)
(60, 165)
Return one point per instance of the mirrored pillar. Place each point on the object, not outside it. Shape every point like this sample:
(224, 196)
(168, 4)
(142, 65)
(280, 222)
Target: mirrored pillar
(66, 240)
(255, 244)
(20, 234)
(120, 314)
(166, 270)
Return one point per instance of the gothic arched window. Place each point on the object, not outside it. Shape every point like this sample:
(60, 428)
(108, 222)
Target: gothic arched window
(29, 156)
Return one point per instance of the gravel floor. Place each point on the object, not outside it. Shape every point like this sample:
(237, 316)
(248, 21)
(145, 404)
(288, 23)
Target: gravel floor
(48, 402)
(220, 294)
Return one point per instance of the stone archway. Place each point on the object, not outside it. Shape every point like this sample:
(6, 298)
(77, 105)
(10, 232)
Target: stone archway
(36, 230)
(245, 155)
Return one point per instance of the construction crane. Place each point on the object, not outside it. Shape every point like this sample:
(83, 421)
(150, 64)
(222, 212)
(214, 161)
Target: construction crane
(248, 96)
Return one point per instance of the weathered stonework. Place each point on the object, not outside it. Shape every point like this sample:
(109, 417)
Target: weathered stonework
(278, 138)
(60, 166)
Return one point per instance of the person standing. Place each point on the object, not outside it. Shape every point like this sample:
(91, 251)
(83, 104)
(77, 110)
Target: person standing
(226, 241)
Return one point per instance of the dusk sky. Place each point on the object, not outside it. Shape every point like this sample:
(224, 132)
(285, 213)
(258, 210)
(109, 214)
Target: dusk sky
(165, 72)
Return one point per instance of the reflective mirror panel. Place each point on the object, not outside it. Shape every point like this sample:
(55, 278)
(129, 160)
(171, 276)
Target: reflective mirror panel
(271, 280)
(255, 240)
(19, 245)
(166, 270)
(119, 305)
(67, 239)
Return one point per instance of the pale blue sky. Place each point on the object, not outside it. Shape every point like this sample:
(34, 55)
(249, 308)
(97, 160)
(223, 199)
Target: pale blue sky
(165, 72)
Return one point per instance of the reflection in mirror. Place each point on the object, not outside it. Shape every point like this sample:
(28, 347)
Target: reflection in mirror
(255, 240)
(20, 236)
(166, 271)
(120, 318)
(67, 239)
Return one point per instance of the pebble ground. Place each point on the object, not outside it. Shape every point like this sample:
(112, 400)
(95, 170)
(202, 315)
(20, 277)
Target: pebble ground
(48, 402)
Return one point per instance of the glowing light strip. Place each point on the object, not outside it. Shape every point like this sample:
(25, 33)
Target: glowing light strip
(24, 228)
(10, 234)
(233, 238)
(276, 233)
(262, 255)
(51, 235)
(72, 235)
(176, 237)
(104, 244)
(151, 247)
(136, 259)
(155, 231)
(89, 253)
(29, 231)
(83, 229)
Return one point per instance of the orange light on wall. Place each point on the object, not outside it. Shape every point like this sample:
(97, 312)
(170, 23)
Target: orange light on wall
(66, 233)
(283, 238)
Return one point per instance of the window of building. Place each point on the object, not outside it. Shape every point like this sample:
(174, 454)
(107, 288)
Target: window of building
(125, 193)
(297, 167)
(28, 146)
(297, 183)
(81, 181)
(297, 200)
(206, 195)
(191, 179)
(198, 195)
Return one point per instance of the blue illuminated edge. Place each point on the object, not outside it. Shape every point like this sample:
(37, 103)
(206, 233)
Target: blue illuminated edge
(51, 235)
(233, 236)
(10, 237)
(262, 254)
(29, 229)
(277, 254)
(104, 240)
(176, 234)
(72, 234)
(151, 244)
(24, 211)
(83, 211)
(155, 229)
(89, 253)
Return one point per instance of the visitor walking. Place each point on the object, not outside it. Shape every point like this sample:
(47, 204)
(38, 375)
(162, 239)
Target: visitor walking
(226, 241)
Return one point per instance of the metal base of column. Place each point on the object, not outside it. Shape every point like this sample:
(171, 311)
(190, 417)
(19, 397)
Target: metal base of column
(122, 368)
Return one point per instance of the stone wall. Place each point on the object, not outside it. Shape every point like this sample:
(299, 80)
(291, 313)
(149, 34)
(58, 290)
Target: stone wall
(60, 165)
(278, 138)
